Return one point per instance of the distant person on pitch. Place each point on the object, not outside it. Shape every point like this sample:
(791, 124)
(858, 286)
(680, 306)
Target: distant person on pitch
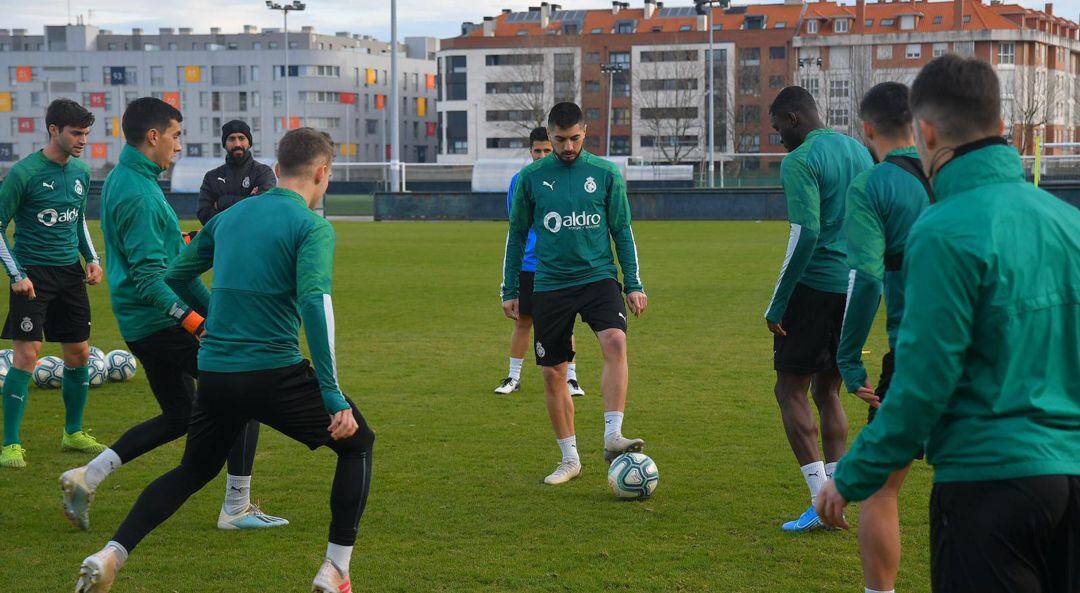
(577, 205)
(540, 147)
(240, 177)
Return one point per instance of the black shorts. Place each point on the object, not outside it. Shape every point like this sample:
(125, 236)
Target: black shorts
(600, 304)
(1006, 536)
(59, 313)
(287, 399)
(525, 293)
(813, 321)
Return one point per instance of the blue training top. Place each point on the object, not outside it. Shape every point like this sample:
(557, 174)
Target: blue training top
(528, 263)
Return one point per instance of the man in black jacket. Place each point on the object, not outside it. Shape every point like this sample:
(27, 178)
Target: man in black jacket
(241, 175)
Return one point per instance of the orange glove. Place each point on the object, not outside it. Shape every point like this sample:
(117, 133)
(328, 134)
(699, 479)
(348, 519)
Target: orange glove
(194, 324)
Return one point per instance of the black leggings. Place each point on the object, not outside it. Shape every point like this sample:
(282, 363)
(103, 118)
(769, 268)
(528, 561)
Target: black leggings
(287, 400)
(170, 359)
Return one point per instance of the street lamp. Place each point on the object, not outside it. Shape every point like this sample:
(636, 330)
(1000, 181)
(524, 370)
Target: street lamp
(704, 7)
(611, 69)
(285, 8)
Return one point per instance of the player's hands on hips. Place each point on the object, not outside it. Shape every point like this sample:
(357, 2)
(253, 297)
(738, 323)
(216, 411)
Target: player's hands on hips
(25, 288)
(776, 329)
(830, 506)
(342, 425)
(637, 301)
(868, 395)
(93, 273)
(510, 308)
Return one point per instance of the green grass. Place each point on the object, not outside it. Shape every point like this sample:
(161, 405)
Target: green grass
(456, 502)
(349, 204)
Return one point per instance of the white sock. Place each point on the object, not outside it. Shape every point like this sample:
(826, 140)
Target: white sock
(568, 446)
(515, 368)
(830, 469)
(101, 466)
(869, 590)
(612, 424)
(571, 371)
(340, 556)
(121, 553)
(237, 494)
(815, 478)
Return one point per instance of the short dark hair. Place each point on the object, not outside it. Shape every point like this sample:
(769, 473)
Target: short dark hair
(565, 115)
(145, 114)
(961, 96)
(300, 148)
(886, 106)
(793, 99)
(538, 135)
(65, 112)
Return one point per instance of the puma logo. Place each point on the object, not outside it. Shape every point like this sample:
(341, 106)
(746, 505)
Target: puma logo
(221, 180)
(49, 185)
(550, 185)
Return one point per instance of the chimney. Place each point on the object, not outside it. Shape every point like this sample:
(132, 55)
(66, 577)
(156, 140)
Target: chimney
(184, 30)
(506, 11)
(136, 31)
(165, 31)
(650, 8)
(489, 26)
(615, 7)
(860, 16)
(250, 29)
(545, 15)
(215, 30)
(307, 29)
(703, 22)
(1049, 8)
(958, 14)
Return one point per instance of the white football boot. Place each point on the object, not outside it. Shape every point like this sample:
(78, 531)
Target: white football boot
(77, 497)
(330, 579)
(567, 470)
(508, 386)
(618, 444)
(97, 573)
(575, 388)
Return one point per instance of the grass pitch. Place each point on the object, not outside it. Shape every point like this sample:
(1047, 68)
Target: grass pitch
(457, 502)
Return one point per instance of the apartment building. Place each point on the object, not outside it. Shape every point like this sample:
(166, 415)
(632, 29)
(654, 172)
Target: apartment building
(844, 50)
(498, 75)
(337, 83)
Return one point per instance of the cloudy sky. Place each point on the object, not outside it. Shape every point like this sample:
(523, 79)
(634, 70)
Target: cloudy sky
(437, 18)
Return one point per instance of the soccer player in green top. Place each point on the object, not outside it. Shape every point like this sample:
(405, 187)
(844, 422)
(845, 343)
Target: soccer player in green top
(46, 195)
(577, 205)
(807, 306)
(882, 205)
(987, 356)
(267, 278)
(142, 236)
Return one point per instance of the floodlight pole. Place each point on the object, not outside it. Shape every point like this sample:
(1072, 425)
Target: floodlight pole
(712, 105)
(610, 69)
(395, 129)
(296, 5)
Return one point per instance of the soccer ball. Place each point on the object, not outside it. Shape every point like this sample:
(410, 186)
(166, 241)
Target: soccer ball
(97, 353)
(120, 365)
(6, 358)
(98, 372)
(633, 475)
(49, 373)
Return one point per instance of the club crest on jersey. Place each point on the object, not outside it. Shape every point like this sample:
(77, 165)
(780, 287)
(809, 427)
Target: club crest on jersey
(26, 324)
(590, 185)
(50, 217)
(79, 187)
(246, 183)
(539, 349)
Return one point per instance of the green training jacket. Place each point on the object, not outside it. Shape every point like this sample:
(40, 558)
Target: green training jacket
(273, 261)
(577, 210)
(48, 202)
(988, 352)
(816, 176)
(142, 235)
(882, 205)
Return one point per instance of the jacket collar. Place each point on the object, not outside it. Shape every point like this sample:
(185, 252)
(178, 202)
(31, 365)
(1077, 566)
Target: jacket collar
(287, 193)
(137, 161)
(985, 162)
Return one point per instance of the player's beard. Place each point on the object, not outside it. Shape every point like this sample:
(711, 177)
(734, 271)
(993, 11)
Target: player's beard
(70, 149)
(569, 159)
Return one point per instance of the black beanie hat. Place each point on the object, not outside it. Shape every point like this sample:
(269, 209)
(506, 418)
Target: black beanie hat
(235, 127)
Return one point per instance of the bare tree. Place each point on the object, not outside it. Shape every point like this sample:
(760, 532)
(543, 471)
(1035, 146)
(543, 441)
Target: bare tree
(521, 89)
(1029, 100)
(669, 99)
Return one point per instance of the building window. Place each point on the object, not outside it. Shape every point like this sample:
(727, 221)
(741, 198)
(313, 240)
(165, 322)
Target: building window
(907, 23)
(884, 52)
(456, 79)
(913, 52)
(624, 27)
(515, 88)
(457, 132)
(774, 139)
(157, 76)
(35, 99)
(254, 74)
(669, 84)
(839, 89)
(841, 25)
(620, 146)
(679, 55)
(620, 116)
(1007, 52)
(965, 48)
(512, 59)
(592, 57)
(868, 23)
(776, 81)
(780, 25)
(839, 117)
(940, 49)
(272, 45)
(749, 114)
(592, 86)
(888, 22)
(811, 27)
(278, 99)
(937, 20)
(592, 114)
(778, 53)
(685, 28)
(754, 22)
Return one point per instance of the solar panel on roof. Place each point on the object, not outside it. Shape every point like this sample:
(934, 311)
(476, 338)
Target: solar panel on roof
(677, 12)
(523, 17)
(735, 10)
(569, 16)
